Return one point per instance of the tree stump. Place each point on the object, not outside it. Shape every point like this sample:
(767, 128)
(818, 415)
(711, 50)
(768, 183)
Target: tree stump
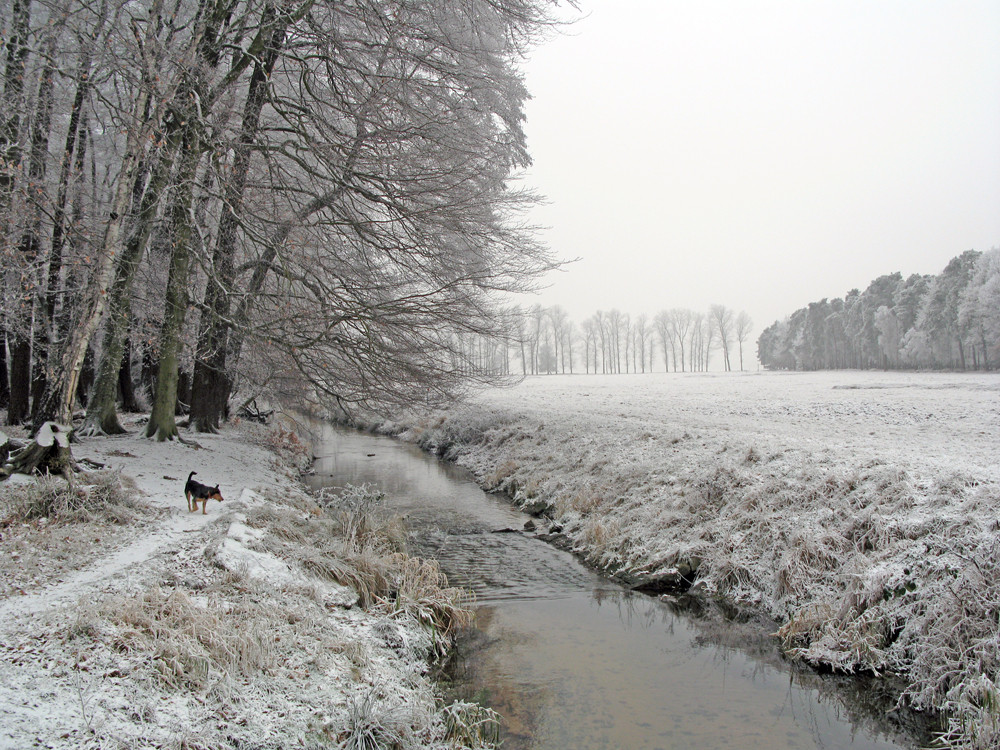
(48, 453)
(7, 446)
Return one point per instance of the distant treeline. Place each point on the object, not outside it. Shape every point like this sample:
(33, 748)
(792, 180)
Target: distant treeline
(948, 321)
(543, 340)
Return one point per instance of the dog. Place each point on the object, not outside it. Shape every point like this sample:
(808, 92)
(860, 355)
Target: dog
(196, 492)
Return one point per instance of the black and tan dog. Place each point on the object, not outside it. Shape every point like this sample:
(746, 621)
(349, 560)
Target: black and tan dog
(196, 492)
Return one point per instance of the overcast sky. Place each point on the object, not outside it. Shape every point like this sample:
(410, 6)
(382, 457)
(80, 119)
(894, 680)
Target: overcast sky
(762, 154)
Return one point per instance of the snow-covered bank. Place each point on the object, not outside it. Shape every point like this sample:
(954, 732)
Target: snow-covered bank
(228, 629)
(858, 509)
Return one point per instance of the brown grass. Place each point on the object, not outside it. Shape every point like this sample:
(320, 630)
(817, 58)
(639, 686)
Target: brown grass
(190, 643)
(48, 528)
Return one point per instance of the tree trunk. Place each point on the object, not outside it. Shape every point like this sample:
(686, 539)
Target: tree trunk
(162, 423)
(31, 241)
(19, 408)
(10, 165)
(4, 382)
(126, 388)
(183, 394)
(147, 371)
(211, 384)
(102, 416)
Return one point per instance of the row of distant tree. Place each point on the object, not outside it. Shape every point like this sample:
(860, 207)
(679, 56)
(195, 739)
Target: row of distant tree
(543, 340)
(948, 321)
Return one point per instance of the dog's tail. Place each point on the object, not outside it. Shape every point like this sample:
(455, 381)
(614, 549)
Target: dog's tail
(191, 475)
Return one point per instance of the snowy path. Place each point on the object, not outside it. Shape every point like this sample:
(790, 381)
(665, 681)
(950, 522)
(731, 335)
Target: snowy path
(90, 578)
(232, 463)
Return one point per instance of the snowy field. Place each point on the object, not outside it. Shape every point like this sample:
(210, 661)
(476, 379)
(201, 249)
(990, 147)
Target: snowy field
(930, 422)
(860, 510)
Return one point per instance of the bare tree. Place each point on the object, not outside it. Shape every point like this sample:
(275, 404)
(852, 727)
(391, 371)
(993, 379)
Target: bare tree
(352, 227)
(602, 328)
(558, 322)
(741, 329)
(707, 342)
(721, 320)
(682, 321)
(696, 341)
(569, 337)
(642, 332)
(589, 333)
(662, 326)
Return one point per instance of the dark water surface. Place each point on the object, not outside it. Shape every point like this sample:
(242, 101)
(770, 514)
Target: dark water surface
(574, 661)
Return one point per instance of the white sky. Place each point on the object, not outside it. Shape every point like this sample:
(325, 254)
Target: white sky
(762, 154)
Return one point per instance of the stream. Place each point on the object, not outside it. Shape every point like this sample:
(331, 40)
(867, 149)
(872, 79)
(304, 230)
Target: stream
(572, 659)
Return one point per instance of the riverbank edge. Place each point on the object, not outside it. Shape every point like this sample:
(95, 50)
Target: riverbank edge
(481, 440)
(316, 667)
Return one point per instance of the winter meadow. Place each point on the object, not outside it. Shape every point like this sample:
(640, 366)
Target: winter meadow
(236, 235)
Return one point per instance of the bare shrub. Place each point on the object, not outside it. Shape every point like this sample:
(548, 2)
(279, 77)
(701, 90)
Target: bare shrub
(363, 522)
(584, 502)
(283, 443)
(496, 478)
(360, 545)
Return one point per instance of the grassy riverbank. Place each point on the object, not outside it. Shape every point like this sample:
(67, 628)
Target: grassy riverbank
(272, 621)
(857, 509)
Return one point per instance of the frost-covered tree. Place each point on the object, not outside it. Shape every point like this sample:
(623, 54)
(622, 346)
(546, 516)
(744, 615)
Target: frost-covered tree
(329, 185)
(722, 320)
(741, 330)
(944, 321)
(979, 310)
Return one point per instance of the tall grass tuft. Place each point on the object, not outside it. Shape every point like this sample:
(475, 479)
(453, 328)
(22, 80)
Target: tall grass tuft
(106, 497)
(471, 725)
(191, 644)
(375, 724)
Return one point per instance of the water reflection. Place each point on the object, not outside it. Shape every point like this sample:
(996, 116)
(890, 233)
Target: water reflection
(572, 660)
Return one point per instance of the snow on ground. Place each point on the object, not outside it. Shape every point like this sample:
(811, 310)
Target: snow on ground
(198, 631)
(858, 509)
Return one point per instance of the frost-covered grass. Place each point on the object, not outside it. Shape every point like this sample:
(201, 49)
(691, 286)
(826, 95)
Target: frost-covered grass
(272, 621)
(48, 527)
(860, 510)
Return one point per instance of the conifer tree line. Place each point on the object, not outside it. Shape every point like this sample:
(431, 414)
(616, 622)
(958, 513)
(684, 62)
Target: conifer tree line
(543, 340)
(948, 321)
(206, 200)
